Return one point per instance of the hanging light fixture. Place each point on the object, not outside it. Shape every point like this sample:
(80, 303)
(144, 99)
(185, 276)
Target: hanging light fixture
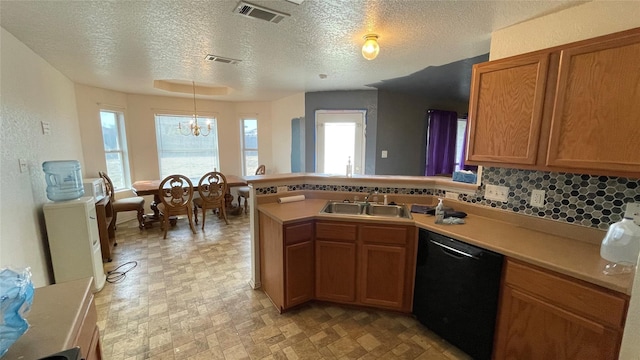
(370, 48)
(192, 128)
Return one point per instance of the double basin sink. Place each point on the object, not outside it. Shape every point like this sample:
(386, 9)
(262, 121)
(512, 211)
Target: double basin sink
(366, 209)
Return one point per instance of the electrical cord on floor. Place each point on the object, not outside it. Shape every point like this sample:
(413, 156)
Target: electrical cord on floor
(115, 276)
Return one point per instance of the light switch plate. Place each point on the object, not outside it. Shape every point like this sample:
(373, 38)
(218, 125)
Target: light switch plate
(46, 127)
(537, 198)
(23, 165)
(632, 210)
(496, 192)
(384, 154)
(282, 189)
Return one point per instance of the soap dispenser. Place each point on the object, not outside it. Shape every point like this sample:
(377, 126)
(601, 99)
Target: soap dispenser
(440, 212)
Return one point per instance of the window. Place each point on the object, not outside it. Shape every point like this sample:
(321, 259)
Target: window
(115, 149)
(189, 155)
(460, 135)
(249, 146)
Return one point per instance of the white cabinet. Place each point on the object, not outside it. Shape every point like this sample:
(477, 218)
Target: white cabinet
(74, 241)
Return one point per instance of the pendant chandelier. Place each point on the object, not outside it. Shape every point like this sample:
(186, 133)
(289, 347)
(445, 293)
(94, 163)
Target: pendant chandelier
(193, 128)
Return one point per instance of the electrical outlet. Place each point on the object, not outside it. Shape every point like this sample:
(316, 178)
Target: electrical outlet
(537, 198)
(497, 193)
(452, 195)
(282, 189)
(384, 154)
(632, 210)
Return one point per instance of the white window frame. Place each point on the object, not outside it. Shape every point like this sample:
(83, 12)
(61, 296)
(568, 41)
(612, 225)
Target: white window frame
(122, 151)
(244, 149)
(460, 134)
(202, 121)
(338, 116)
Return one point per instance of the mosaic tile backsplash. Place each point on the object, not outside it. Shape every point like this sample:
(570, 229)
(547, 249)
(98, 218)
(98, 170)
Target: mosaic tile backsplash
(594, 201)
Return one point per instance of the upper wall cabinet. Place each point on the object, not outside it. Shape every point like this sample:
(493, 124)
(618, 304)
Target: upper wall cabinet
(573, 108)
(505, 110)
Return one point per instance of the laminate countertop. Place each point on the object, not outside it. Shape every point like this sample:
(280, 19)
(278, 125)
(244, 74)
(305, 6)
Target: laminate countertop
(575, 258)
(55, 319)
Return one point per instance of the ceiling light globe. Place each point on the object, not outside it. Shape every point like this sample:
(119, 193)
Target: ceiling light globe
(370, 48)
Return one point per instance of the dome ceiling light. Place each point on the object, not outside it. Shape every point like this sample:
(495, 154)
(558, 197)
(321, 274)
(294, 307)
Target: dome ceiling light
(370, 48)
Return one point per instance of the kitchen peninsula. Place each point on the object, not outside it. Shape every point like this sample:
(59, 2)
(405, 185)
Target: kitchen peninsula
(552, 269)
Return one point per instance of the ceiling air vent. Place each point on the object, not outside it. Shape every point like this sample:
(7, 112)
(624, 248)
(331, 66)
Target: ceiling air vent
(259, 12)
(221, 59)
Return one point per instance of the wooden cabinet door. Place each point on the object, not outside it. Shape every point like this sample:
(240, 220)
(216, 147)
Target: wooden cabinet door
(335, 271)
(382, 275)
(506, 109)
(95, 349)
(530, 328)
(595, 122)
(299, 273)
(298, 263)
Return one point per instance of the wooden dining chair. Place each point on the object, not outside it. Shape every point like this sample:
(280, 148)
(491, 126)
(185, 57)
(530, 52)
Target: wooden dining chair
(176, 195)
(244, 191)
(135, 203)
(212, 188)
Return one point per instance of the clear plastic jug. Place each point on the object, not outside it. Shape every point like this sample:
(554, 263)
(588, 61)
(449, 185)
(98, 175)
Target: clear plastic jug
(621, 246)
(64, 180)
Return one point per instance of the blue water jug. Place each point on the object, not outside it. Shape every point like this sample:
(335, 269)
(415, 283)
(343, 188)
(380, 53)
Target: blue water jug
(64, 180)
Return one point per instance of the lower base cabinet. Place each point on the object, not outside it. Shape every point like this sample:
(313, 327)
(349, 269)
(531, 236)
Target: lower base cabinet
(342, 262)
(62, 316)
(286, 262)
(387, 266)
(544, 315)
(365, 264)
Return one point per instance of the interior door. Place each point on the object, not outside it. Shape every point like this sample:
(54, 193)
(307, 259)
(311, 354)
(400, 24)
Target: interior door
(340, 137)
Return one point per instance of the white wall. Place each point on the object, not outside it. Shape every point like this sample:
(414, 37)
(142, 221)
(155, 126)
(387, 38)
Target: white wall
(282, 112)
(578, 23)
(32, 91)
(139, 111)
(582, 22)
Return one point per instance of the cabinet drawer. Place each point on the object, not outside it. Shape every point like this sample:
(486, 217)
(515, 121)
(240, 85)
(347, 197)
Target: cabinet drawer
(384, 234)
(336, 231)
(573, 295)
(298, 233)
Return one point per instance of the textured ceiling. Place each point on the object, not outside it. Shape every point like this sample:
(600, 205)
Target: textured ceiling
(126, 45)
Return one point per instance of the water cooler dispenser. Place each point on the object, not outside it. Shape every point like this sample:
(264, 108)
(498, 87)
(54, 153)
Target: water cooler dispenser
(74, 240)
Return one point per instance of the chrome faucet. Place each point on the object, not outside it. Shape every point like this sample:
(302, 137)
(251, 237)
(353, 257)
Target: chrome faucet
(366, 198)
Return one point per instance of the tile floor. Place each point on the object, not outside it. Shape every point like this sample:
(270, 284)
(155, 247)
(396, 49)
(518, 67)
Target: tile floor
(189, 298)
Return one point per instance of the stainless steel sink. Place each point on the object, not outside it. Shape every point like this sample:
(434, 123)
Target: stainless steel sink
(399, 211)
(334, 207)
(366, 210)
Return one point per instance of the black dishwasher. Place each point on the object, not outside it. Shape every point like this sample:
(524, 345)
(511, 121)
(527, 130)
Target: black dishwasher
(456, 292)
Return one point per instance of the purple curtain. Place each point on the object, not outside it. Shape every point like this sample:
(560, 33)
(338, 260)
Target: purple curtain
(441, 142)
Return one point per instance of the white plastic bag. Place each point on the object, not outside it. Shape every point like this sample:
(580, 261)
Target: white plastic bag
(16, 297)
